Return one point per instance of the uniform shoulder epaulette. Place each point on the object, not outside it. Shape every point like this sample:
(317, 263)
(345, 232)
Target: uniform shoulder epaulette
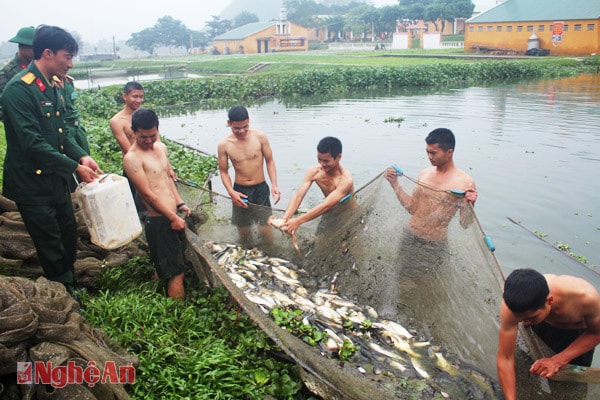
(28, 78)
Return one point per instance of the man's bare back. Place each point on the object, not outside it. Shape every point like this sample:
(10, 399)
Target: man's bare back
(576, 296)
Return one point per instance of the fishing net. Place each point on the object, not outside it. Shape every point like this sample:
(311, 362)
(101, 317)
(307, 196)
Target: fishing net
(40, 322)
(369, 251)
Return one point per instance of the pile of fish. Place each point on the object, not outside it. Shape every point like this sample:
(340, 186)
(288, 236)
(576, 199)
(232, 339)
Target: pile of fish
(380, 349)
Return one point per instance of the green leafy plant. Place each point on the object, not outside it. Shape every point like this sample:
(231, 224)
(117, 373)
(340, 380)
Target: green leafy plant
(293, 321)
(347, 350)
(203, 347)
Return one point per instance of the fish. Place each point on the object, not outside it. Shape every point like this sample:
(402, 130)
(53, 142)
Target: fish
(329, 313)
(287, 271)
(395, 364)
(357, 317)
(273, 282)
(279, 297)
(400, 344)
(280, 223)
(260, 300)
(284, 278)
(303, 303)
(238, 280)
(419, 368)
(394, 356)
(372, 313)
(444, 365)
(394, 327)
(331, 344)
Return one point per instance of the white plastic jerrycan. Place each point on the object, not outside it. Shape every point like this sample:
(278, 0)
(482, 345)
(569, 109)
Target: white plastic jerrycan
(109, 211)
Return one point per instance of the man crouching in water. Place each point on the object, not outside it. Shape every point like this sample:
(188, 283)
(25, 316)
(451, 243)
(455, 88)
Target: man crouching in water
(563, 310)
(147, 165)
(335, 182)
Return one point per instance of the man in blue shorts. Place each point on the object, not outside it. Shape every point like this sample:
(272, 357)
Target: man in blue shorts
(249, 151)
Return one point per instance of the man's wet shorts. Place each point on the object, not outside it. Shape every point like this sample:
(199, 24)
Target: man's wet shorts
(559, 339)
(166, 247)
(260, 208)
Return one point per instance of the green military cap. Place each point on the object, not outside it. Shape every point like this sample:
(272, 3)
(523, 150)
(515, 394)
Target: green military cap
(24, 36)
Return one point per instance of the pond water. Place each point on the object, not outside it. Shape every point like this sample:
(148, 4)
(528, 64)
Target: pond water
(531, 147)
(122, 77)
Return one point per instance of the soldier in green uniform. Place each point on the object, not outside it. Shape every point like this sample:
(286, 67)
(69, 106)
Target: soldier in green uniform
(72, 118)
(22, 59)
(41, 156)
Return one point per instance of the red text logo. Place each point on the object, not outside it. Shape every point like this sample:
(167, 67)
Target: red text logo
(41, 372)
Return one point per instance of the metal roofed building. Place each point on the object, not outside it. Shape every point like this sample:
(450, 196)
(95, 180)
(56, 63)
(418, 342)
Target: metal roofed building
(563, 27)
(263, 37)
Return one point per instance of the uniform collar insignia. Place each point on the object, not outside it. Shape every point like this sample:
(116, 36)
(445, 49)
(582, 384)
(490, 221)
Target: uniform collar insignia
(40, 84)
(57, 81)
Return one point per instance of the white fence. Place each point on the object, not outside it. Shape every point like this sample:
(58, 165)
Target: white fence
(453, 45)
(358, 46)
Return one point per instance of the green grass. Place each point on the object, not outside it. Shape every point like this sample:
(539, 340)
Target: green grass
(281, 63)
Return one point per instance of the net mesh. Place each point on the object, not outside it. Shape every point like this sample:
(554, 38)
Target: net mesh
(371, 250)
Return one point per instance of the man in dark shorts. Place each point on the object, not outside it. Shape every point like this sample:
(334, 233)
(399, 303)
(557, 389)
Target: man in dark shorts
(559, 339)
(249, 152)
(257, 195)
(166, 247)
(564, 309)
(147, 165)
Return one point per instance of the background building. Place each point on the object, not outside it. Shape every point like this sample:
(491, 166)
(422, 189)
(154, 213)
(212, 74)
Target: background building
(563, 27)
(263, 37)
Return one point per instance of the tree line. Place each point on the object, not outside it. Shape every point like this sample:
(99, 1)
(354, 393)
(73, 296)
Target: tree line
(355, 16)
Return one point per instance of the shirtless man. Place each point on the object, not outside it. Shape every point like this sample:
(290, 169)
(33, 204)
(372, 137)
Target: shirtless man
(430, 216)
(563, 310)
(120, 123)
(335, 182)
(147, 166)
(248, 150)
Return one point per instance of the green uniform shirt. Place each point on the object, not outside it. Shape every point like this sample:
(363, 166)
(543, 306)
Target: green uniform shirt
(40, 155)
(12, 68)
(72, 118)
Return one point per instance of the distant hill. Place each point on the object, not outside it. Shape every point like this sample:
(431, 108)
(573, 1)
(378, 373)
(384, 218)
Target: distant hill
(266, 10)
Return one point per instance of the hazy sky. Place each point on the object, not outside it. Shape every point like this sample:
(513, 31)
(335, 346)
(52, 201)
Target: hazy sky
(103, 19)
